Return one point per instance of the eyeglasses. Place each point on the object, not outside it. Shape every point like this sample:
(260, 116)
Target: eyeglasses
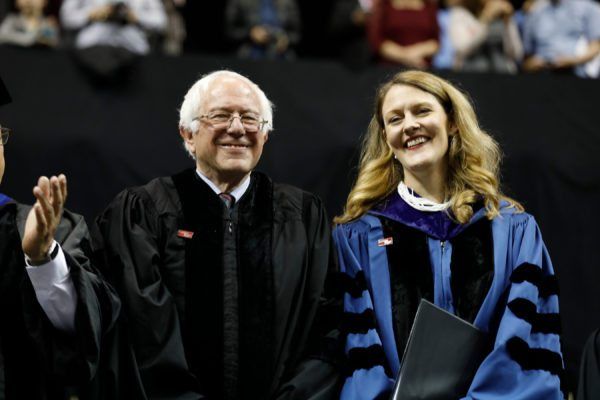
(223, 120)
(5, 134)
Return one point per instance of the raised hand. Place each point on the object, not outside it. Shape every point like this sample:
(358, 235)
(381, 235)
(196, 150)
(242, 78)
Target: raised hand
(44, 217)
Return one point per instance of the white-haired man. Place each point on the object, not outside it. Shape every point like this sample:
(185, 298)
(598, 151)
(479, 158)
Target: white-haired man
(55, 308)
(222, 272)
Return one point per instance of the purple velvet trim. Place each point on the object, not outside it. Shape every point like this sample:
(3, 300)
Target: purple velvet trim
(436, 224)
(4, 199)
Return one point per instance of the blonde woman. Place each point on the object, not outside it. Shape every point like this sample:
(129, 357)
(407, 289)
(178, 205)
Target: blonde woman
(426, 219)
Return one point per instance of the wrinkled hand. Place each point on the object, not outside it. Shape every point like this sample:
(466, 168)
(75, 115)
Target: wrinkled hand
(44, 217)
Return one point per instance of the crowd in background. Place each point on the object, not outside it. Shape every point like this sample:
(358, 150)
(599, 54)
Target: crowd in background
(502, 36)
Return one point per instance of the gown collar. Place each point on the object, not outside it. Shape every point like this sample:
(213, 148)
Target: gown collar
(437, 224)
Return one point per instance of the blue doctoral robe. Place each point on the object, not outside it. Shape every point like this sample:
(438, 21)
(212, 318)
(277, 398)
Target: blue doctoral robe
(519, 307)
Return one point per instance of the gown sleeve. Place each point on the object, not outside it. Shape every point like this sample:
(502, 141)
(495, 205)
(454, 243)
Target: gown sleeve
(367, 375)
(146, 357)
(526, 359)
(76, 354)
(317, 375)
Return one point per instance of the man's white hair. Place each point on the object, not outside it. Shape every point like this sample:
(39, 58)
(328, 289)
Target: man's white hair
(188, 113)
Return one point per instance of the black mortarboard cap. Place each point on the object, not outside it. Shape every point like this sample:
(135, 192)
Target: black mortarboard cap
(4, 95)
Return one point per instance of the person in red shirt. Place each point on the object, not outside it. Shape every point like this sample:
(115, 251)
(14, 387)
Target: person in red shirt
(404, 31)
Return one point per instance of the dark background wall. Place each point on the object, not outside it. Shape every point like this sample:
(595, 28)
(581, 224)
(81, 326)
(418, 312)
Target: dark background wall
(108, 138)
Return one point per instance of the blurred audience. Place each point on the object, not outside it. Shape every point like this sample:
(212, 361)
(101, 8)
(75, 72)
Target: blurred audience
(263, 29)
(444, 58)
(110, 34)
(404, 31)
(175, 32)
(348, 29)
(466, 35)
(117, 23)
(29, 26)
(484, 36)
(563, 35)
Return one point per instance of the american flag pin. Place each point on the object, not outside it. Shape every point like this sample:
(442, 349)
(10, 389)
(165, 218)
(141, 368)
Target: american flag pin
(185, 234)
(385, 241)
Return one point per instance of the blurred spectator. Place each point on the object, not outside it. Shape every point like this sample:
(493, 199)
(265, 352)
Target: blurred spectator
(263, 28)
(404, 31)
(348, 27)
(116, 23)
(563, 35)
(110, 34)
(174, 34)
(484, 36)
(29, 27)
(444, 58)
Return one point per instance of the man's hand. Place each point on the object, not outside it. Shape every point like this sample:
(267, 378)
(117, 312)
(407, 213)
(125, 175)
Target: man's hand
(44, 217)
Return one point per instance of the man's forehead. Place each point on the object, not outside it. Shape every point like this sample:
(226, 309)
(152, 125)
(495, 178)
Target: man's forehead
(231, 91)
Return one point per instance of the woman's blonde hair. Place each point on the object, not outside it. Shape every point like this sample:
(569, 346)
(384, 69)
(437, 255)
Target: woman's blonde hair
(473, 156)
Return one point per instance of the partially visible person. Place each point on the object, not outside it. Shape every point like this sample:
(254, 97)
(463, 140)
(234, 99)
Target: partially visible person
(29, 26)
(348, 28)
(118, 23)
(426, 219)
(111, 34)
(563, 36)
(55, 307)
(588, 387)
(263, 29)
(404, 32)
(484, 36)
(174, 33)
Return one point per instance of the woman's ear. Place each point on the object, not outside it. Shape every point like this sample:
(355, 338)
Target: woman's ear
(452, 129)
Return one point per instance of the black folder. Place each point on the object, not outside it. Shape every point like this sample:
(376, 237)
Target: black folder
(441, 357)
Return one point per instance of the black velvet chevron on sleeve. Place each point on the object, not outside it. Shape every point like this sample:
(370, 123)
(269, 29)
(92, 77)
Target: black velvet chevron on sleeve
(540, 323)
(358, 322)
(547, 285)
(354, 286)
(366, 358)
(534, 359)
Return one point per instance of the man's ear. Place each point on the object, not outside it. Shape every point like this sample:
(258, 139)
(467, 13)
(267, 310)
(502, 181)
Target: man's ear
(266, 136)
(188, 138)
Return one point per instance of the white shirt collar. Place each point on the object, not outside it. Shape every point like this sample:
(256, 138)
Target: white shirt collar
(237, 193)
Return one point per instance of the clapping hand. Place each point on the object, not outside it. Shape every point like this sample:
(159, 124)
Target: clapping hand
(44, 217)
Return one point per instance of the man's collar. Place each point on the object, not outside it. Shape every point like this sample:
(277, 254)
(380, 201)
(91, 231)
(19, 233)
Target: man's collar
(237, 193)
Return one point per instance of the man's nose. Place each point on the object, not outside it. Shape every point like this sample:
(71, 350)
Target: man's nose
(235, 125)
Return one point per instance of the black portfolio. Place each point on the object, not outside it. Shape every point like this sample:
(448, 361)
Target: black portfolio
(441, 357)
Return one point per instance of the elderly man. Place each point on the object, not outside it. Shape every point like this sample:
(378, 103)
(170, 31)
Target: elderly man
(221, 271)
(54, 307)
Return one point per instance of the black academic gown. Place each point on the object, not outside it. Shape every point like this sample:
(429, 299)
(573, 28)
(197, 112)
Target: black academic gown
(38, 361)
(220, 303)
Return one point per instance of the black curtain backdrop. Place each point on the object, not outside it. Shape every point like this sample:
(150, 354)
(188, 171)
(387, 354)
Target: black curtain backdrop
(107, 138)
